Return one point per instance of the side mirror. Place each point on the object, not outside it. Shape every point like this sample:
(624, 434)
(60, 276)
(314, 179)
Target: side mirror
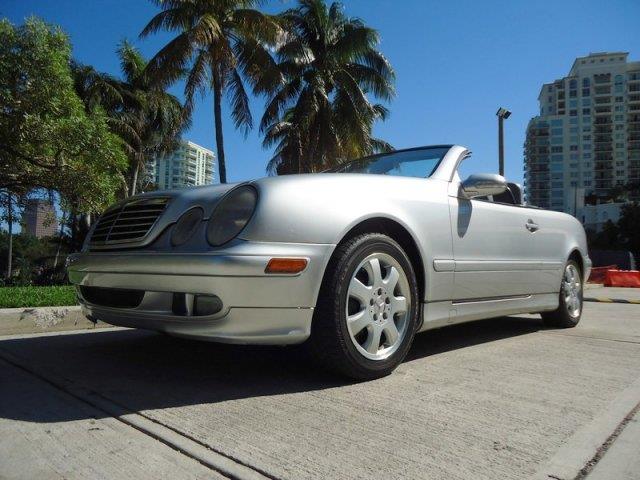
(483, 184)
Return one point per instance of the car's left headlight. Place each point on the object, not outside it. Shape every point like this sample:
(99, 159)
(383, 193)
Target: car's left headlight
(231, 215)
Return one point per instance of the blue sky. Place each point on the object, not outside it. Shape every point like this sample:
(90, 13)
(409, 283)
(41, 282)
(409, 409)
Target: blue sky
(456, 62)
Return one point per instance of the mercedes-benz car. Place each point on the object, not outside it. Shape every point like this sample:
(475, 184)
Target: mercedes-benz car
(353, 261)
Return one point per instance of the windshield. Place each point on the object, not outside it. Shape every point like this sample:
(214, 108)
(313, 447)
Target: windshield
(417, 162)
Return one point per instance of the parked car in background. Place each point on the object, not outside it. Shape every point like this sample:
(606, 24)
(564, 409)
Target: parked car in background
(353, 261)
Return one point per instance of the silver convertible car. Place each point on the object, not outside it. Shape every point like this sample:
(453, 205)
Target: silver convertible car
(353, 261)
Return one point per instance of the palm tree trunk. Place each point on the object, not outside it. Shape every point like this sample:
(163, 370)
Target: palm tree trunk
(134, 180)
(217, 114)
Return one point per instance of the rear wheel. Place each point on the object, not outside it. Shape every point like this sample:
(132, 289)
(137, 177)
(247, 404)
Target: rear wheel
(367, 310)
(569, 310)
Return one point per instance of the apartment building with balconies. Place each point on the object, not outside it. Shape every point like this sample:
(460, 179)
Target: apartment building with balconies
(189, 165)
(586, 140)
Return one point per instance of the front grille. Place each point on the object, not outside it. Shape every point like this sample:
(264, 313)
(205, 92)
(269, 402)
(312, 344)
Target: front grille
(112, 297)
(128, 223)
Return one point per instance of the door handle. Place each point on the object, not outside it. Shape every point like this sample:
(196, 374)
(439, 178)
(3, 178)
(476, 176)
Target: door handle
(532, 226)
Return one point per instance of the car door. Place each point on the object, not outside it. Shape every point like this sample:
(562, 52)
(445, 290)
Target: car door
(493, 249)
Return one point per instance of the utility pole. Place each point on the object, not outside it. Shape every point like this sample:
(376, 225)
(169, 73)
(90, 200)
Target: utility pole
(502, 114)
(10, 225)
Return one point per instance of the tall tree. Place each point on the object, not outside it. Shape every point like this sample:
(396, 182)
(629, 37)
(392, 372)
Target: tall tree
(217, 43)
(47, 139)
(147, 118)
(322, 115)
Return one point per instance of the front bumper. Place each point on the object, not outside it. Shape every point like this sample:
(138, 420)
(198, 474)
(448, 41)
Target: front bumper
(256, 307)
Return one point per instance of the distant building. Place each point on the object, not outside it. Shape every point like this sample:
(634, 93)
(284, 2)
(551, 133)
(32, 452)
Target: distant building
(586, 140)
(40, 218)
(189, 165)
(594, 217)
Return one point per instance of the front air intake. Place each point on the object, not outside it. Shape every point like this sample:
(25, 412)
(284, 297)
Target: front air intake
(112, 297)
(127, 223)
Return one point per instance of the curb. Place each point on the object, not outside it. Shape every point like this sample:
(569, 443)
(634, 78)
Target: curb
(44, 319)
(582, 450)
(611, 300)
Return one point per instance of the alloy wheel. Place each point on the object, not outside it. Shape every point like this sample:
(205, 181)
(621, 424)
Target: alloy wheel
(378, 306)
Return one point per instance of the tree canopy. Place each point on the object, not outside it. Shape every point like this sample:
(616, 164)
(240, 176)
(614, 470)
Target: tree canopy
(147, 118)
(218, 45)
(47, 139)
(321, 114)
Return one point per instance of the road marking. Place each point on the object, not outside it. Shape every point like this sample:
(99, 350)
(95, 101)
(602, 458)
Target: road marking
(611, 300)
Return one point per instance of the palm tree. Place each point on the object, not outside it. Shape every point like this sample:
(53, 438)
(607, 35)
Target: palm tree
(147, 118)
(321, 115)
(217, 43)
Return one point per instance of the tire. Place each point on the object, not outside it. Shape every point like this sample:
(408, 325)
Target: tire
(350, 317)
(569, 310)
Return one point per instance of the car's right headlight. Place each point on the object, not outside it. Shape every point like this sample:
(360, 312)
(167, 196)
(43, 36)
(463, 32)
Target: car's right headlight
(231, 215)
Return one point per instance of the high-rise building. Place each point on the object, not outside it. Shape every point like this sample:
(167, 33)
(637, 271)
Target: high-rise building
(586, 140)
(40, 218)
(188, 166)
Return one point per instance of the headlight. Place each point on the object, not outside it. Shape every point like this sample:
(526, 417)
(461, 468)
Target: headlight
(231, 215)
(186, 226)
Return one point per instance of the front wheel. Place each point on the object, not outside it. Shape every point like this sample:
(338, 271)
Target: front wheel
(569, 310)
(367, 310)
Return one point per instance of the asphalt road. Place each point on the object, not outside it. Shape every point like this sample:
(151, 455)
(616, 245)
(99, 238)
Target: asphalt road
(502, 398)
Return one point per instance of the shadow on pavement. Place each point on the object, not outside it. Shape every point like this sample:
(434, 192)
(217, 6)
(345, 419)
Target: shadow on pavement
(145, 371)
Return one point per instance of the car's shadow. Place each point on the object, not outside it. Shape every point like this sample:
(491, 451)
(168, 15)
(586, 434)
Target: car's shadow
(146, 371)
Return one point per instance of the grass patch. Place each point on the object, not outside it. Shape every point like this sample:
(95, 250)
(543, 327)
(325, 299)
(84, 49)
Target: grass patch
(55, 296)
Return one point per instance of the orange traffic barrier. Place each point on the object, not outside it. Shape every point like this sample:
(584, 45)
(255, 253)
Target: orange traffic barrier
(598, 273)
(622, 278)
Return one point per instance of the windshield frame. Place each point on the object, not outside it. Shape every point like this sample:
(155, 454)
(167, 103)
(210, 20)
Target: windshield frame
(370, 158)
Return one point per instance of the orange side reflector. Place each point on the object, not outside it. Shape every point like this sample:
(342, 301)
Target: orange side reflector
(286, 265)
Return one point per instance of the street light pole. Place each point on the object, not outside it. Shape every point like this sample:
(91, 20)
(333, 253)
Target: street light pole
(502, 114)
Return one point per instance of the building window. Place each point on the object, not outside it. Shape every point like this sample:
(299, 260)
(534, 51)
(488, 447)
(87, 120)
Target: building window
(585, 82)
(586, 92)
(586, 111)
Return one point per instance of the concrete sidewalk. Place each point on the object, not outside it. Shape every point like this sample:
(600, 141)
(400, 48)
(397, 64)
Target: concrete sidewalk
(502, 398)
